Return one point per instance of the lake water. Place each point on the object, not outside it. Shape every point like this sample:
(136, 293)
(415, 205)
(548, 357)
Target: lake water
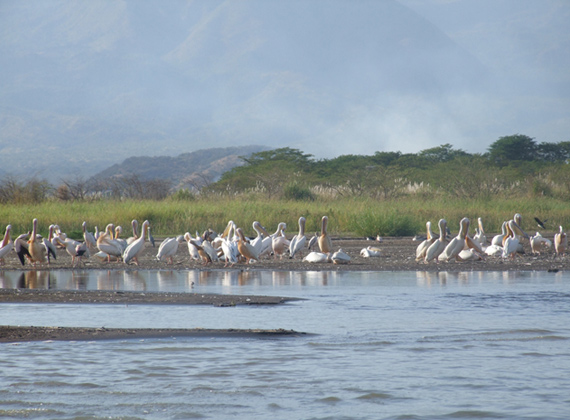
(388, 345)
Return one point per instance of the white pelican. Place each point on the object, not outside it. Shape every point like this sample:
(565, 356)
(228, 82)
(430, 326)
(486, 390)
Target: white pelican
(370, 251)
(245, 248)
(456, 245)
(498, 239)
(70, 246)
(279, 242)
(88, 237)
(325, 242)
(133, 251)
(470, 254)
(49, 244)
(299, 240)
(257, 242)
(192, 250)
(168, 248)
(313, 241)
(538, 243)
(437, 247)
(122, 242)
(206, 245)
(108, 245)
(6, 245)
(494, 250)
(317, 257)
(340, 257)
(511, 242)
(480, 236)
(36, 249)
(135, 227)
(230, 251)
(425, 244)
(560, 242)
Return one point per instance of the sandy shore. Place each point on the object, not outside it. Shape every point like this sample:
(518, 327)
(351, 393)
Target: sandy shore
(397, 254)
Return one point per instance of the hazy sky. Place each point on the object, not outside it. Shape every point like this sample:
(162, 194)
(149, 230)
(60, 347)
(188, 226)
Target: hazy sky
(89, 84)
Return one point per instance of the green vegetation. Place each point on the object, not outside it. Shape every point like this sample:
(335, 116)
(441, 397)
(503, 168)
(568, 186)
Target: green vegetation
(387, 193)
(348, 217)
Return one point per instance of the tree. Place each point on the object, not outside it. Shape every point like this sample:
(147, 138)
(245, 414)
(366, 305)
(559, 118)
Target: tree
(443, 153)
(511, 148)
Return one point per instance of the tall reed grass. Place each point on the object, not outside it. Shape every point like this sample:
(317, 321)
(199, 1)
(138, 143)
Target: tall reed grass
(348, 217)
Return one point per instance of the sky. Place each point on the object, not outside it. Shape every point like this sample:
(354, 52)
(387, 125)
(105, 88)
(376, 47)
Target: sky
(87, 85)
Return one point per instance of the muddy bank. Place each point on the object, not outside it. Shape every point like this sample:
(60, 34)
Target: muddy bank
(10, 334)
(124, 297)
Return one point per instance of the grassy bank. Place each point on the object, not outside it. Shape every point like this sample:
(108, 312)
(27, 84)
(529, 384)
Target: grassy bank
(350, 217)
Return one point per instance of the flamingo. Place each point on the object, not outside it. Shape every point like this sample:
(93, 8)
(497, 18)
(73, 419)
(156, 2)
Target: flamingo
(324, 240)
(135, 248)
(298, 242)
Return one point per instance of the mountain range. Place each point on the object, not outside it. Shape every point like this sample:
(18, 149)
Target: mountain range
(86, 85)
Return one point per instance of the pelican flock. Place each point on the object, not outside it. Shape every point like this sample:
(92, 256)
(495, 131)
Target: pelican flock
(233, 246)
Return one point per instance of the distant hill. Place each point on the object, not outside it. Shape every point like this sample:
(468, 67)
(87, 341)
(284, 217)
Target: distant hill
(185, 170)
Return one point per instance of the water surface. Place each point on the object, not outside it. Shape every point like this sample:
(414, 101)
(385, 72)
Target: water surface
(386, 345)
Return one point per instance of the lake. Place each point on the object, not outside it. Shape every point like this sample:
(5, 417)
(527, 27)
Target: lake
(381, 345)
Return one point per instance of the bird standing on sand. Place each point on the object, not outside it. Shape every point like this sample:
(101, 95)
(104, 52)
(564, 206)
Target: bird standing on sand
(325, 242)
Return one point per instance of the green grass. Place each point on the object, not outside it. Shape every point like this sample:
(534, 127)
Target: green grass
(356, 217)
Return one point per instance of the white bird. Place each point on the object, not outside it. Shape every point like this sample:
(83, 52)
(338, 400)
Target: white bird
(279, 242)
(257, 242)
(494, 250)
(437, 247)
(470, 254)
(538, 243)
(370, 251)
(88, 237)
(456, 245)
(108, 245)
(317, 257)
(425, 244)
(133, 251)
(6, 245)
(70, 246)
(340, 257)
(498, 239)
(511, 242)
(480, 236)
(560, 242)
(298, 241)
(168, 248)
(135, 229)
(192, 249)
(229, 246)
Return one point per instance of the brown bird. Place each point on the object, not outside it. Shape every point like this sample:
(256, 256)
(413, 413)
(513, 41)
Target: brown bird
(325, 243)
(246, 249)
(36, 249)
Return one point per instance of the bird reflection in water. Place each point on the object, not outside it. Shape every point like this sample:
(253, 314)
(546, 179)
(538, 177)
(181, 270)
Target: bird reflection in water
(34, 279)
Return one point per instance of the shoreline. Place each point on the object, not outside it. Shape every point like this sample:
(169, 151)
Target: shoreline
(18, 334)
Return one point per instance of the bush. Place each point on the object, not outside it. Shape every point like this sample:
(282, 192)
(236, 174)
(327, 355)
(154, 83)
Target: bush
(296, 192)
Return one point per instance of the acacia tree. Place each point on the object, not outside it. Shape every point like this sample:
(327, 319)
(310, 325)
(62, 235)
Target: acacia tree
(510, 148)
